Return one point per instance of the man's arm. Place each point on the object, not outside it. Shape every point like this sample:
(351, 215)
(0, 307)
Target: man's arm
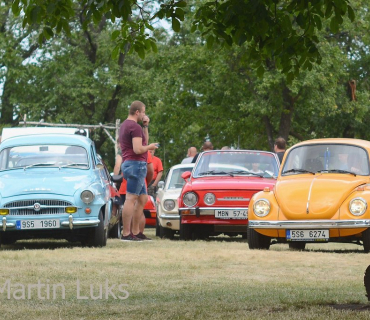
(159, 176)
(137, 144)
(145, 128)
(117, 165)
(149, 173)
(146, 133)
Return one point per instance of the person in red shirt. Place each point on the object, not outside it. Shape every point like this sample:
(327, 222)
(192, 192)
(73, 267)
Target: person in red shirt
(158, 172)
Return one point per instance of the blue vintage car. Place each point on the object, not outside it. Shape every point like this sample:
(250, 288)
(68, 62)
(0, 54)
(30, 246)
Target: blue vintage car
(53, 186)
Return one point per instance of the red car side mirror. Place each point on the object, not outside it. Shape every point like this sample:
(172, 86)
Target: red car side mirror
(186, 175)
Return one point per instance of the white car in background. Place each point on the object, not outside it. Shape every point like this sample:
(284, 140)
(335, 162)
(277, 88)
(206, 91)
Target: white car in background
(167, 206)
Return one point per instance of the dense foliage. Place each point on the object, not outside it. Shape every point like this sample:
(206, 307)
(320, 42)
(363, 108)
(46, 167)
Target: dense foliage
(193, 91)
(281, 30)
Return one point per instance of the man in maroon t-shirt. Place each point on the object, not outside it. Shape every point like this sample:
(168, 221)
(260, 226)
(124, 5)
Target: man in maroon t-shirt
(134, 146)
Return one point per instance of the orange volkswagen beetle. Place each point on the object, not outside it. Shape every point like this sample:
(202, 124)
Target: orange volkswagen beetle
(321, 195)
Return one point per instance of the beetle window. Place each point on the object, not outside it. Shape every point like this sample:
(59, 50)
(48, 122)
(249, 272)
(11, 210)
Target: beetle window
(329, 158)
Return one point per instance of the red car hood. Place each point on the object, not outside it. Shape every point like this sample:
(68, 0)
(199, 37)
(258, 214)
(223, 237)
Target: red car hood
(236, 182)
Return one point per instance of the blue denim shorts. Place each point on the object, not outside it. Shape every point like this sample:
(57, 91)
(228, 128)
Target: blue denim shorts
(134, 173)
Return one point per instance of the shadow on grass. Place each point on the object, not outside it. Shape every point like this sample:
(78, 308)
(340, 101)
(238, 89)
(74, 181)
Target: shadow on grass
(342, 251)
(350, 307)
(40, 245)
(214, 239)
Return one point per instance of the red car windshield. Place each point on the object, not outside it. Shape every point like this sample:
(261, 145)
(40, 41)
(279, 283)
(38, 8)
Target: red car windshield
(237, 162)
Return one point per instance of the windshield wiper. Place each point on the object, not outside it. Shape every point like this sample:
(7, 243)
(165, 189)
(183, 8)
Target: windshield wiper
(248, 173)
(39, 165)
(338, 171)
(297, 170)
(240, 172)
(206, 173)
(214, 172)
(74, 165)
(256, 174)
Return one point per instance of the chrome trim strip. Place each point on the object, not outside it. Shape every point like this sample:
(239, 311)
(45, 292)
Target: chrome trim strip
(309, 196)
(236, 199)
(170, 216)
(210, 211)
(70, 221)
(310, 224)
(90, 222)
(6, 224)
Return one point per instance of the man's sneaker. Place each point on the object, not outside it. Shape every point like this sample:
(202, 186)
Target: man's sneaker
(130, 237)
(142, 236)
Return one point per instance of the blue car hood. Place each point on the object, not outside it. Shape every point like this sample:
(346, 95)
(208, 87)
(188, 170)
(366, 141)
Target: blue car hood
(50, 181)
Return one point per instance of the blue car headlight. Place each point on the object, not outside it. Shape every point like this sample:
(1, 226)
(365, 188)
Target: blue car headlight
(87, 196)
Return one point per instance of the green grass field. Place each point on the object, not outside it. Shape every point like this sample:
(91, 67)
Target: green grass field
(163, 279)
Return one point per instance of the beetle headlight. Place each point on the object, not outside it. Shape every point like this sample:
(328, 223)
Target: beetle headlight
(261, 207)
(87, 196)
(209, 199)
(358, 206)
(190, 199)
(169, 205)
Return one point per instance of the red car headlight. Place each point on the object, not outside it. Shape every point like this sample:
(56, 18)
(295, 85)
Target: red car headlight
(190, 199)
(209, 199)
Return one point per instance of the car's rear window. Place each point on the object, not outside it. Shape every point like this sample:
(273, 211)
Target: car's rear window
(44, 156)
(176, 180)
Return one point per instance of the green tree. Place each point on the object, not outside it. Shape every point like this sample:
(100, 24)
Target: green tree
(282, 30)
(17, 46)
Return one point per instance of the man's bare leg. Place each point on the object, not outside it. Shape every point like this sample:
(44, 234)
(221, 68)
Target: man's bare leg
(128, 213)
(138, 213)
(142, 223)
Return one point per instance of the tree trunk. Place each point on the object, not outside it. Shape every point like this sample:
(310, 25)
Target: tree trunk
(7, 107)
(269, 132)
(286, 114)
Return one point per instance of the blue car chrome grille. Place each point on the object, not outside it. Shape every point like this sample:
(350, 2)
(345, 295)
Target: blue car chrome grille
(37, 207)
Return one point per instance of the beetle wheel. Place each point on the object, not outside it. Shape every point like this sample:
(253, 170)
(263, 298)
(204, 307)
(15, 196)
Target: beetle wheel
(366, 240)
(257, 240)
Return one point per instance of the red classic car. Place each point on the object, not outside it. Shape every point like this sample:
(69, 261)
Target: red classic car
(150, 212)
(216, 195)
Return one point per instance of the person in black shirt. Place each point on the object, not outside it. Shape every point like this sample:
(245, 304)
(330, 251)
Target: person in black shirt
(206, 146)
(279, 148)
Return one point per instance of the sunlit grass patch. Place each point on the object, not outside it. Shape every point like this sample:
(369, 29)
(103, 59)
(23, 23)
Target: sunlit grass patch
(166, 279)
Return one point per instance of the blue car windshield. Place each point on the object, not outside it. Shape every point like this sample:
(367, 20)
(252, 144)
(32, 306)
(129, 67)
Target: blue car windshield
(61, 156)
